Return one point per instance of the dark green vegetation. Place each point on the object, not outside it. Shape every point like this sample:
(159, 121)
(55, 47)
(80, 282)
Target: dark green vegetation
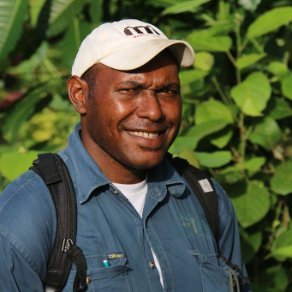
(237, 101)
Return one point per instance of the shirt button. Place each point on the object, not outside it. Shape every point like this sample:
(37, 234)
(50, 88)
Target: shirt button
(151, 265)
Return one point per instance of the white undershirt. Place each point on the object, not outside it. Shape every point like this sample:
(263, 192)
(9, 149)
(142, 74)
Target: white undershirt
(136, 194)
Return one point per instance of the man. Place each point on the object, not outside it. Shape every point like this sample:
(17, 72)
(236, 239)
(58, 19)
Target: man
(139, 225)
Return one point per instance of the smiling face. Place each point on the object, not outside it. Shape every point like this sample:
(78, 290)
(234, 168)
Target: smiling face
(129, 119)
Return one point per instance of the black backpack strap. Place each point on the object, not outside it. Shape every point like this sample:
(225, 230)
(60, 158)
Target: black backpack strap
(51, 168)
(202, 185)
(204, 189)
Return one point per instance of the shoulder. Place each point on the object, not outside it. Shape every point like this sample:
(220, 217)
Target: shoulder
(27, 218)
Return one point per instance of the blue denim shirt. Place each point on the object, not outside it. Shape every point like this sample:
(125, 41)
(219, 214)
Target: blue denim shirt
(173, 225)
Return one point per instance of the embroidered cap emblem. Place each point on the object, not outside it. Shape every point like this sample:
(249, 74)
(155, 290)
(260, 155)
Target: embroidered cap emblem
(140, 30)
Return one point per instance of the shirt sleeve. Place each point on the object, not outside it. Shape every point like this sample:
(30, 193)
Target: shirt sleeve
(16, 273)
(229, 239)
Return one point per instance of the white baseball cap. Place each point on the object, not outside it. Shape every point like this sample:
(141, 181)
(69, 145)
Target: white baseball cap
(126, 45)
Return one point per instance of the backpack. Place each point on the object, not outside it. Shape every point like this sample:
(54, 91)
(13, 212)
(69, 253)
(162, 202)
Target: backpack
(51, 168)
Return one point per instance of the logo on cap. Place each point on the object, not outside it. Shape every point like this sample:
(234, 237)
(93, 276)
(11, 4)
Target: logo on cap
(140, 30)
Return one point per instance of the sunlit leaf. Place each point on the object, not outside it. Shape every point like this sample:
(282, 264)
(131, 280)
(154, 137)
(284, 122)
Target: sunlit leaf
(250, 244)
(204, 61)
(61, 13)
(281, 181)
(266, 133)
(205, 40)
(283, 245)
(213, 110)
(287, 86)
(14, 163)
(280, 109)
(253, 205)
(12, 15)
(214, 159)
(247, 60)
(184, 6)
(254, 164)
(270, 21)
(252, 94)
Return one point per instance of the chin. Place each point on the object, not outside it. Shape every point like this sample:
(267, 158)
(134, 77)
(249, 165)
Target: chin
(148, 160)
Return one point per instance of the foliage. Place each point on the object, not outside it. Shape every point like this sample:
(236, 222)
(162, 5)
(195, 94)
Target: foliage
(237, 101)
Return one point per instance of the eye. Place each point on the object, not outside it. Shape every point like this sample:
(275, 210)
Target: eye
(129, 90)
(169, 91)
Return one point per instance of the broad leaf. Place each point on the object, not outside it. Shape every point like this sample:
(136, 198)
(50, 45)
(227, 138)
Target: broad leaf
(14, 163)
(12, 15)
(267, 133)
(252, 94)
(279, 69)
(281, 181)
(250, 244)
(222, 137)
(283, 245)
(247, 60)
(184, 6)
(213, 110)
(206, 128)
(204, 61)
(270, 21)
(254, 165)
(205, 40)
(287, 86)
(253, 205)
(280, 109)
(61, 13)
(214, 159)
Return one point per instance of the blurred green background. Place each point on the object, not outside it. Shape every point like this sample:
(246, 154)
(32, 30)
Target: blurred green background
(236, 102)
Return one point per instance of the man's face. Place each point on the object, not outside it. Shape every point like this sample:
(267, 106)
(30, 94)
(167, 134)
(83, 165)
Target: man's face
(133, 117)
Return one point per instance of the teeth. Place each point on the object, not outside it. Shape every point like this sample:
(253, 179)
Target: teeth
(145, 135)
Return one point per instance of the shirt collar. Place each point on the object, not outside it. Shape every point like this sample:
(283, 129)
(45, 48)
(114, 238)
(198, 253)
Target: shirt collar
(85, 173)
(87, 176)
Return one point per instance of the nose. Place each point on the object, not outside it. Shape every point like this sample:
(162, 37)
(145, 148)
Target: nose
(150, 106)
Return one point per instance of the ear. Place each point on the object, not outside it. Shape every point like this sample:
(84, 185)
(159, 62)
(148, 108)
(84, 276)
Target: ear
(78, 92)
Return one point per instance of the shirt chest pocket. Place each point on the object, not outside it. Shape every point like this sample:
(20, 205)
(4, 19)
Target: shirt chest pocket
(105, 272)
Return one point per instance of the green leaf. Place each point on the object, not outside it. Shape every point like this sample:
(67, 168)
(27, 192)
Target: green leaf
(283, 245)
(184, 6)
(206, 128)
(280, 109)
(189, 76)
(213, 110)
(35, 7)
(204, 61)
(281, 181)
(278, 69)
(253, 205)
(252, 94)
(69, 46)
(61, 13)
(14, 163)
(267, 133)
(287, 86)
(250, 243)
(215, 159)
(254, 165)
(12, 15)
(183, 143)
(247, 60)
(270, 21)
(222, 137)
(205, 40)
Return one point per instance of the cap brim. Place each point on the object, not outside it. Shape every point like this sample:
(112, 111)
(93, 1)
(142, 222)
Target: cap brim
(137, 55)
